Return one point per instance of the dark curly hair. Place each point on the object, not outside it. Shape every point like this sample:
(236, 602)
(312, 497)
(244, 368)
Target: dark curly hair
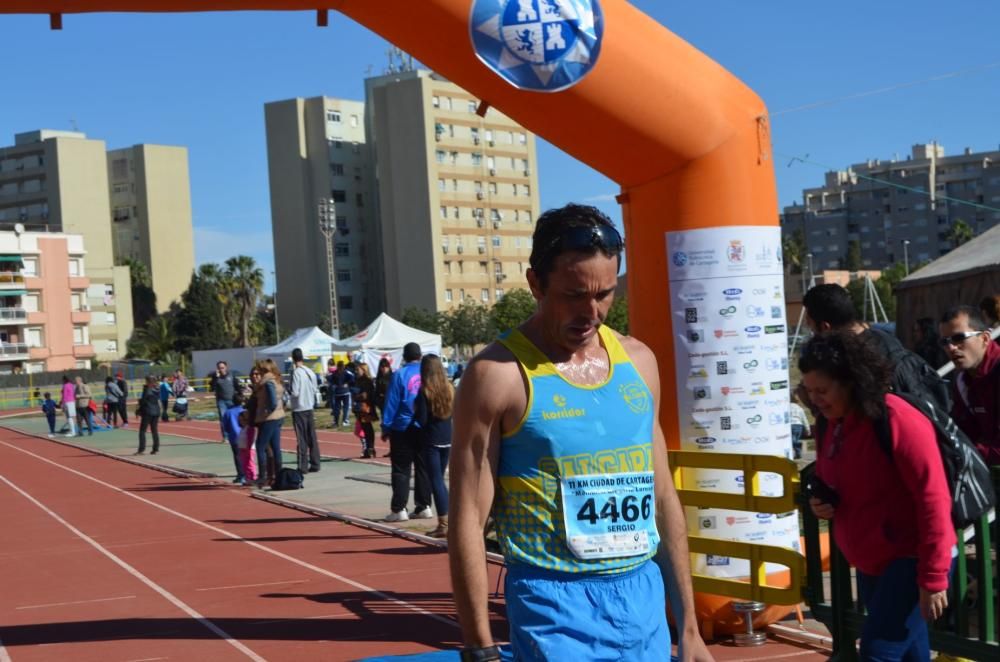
(855, 362)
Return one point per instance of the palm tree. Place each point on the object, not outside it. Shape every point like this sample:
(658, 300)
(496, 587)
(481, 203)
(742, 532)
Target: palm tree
(213, 275)
(154, 341)
(244, 285)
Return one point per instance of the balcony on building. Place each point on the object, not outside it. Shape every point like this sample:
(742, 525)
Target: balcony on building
(13, 351)
(83, 351)
(11, 277)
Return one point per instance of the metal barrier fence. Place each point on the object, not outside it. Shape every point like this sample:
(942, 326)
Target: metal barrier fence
(970, 627)
(24, 397)
(756, 588)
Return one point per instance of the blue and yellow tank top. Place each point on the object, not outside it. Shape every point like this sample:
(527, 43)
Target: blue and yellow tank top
(575, 475)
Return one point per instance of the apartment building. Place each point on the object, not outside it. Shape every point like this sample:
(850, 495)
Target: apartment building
(457, 193)
(44, 315)
(434, 204)
(896, 210)
(150, 191)
(57, 181)
(317, 166)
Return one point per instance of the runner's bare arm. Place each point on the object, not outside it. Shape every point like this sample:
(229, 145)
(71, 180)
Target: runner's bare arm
(479, 409)
(672, 557)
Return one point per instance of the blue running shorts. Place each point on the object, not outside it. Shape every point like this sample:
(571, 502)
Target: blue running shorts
(585, 617)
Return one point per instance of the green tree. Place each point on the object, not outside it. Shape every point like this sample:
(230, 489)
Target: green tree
(853, 262)
(960, 232)
(513, 309)
(469, 325)
(421, 318)
(794, 249)
(143, 296)
(617, 317)
(154, 341)
(244, 283)
(198, 323)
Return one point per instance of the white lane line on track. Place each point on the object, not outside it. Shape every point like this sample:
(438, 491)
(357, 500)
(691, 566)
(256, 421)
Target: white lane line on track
(4, 657)
(255, 545)
(174, 600)
(222, 588)
(74, 602)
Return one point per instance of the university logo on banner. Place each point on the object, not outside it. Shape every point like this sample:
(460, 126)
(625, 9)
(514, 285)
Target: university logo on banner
(542, 45)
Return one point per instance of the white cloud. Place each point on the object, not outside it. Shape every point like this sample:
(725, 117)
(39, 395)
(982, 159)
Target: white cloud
(604, 197)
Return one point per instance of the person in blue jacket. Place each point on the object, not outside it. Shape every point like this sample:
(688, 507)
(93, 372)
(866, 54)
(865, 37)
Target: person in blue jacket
(165, 392)
(403, 435)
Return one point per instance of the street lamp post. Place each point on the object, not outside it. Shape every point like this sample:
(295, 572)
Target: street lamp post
(328, 226)
(906, 256)
(277, 332)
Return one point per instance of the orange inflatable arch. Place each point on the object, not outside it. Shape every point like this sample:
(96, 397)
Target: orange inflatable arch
(688, 143)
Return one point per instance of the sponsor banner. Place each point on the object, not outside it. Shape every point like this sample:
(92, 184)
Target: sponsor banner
(730, 351)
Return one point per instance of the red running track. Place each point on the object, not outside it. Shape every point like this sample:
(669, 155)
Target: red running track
(104, 560)
(331, 443)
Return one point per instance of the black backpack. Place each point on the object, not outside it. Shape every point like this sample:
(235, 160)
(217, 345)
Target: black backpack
(911, 374)
(965, 470)
(289, 479)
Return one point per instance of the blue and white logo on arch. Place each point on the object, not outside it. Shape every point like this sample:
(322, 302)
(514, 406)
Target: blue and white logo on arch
(544, 45)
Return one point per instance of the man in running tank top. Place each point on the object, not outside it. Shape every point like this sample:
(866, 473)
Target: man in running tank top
(556, 429)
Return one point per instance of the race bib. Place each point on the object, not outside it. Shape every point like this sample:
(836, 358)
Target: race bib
(609, 515)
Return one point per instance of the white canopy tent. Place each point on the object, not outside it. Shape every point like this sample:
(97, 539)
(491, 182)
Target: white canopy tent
(313, 342)
(385, 337)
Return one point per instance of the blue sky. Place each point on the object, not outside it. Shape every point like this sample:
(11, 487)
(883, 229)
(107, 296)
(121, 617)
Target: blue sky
(200, 80)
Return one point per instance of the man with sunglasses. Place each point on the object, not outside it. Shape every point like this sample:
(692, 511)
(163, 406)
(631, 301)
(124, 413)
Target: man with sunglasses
(965, 337)
(556, 431)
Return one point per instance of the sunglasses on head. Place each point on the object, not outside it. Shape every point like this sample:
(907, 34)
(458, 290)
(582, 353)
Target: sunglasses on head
(586, 238)
(958, 338)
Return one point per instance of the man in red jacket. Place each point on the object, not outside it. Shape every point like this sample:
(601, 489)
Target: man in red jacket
(976, 389)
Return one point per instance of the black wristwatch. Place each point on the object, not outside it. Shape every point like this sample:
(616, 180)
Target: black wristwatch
(485, 654)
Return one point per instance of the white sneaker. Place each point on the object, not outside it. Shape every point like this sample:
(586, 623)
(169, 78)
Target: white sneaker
(426, 513)
(401, 516)
(69, 434)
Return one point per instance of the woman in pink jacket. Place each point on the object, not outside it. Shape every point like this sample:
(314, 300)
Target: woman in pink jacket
(891, 513)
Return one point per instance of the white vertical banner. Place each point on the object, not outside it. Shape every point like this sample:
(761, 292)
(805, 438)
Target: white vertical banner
(727, 304)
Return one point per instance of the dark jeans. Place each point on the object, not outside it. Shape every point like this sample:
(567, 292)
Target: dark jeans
(112, 414)
(307, 446)
(341, 403)
(369, 431)
(153, 423)
(223, 406)
(163, 410)
(123, 411)
(234, 444)
(797, 430)
(404, 447)
(894, 628)
(51, 420)
(269, 434)
(84, 414)
(436, 458)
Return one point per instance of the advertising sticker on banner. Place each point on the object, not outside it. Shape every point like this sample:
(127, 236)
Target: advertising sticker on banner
(730, 340)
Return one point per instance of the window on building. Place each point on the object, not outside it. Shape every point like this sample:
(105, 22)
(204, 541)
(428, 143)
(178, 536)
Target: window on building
(119, 169)
(477, 159)
(498, 294)
(522, 138)
(342, 249)
(472, 106)
(441, 184)
(346, 302)
(493, 188)
(474, 134)
(29, 266)
(481, 243)
(495, 215)
(454, 212)
(338, 195)
(446, 266)
(121, 213)
(356, 147)
(443, 211)
(514, 191)
(436, 101)
(336, 142)
(446, 103)
(337, 169)
(75, 266)
(354, 120)
(343, 275)
(82, 364)
(110, 319)
(333, 116)
(447, 296)
(483, 268)
(30, 303)
(527, 190)
(491, 162)
(80, 335)
(454, 185)
(461, 295)
(33, 337)
(497, 241)
(439, 155)
(341, 222)
(484, 294)
(453, 158)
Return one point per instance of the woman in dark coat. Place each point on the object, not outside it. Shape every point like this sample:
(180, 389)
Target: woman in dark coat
(149, 414)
